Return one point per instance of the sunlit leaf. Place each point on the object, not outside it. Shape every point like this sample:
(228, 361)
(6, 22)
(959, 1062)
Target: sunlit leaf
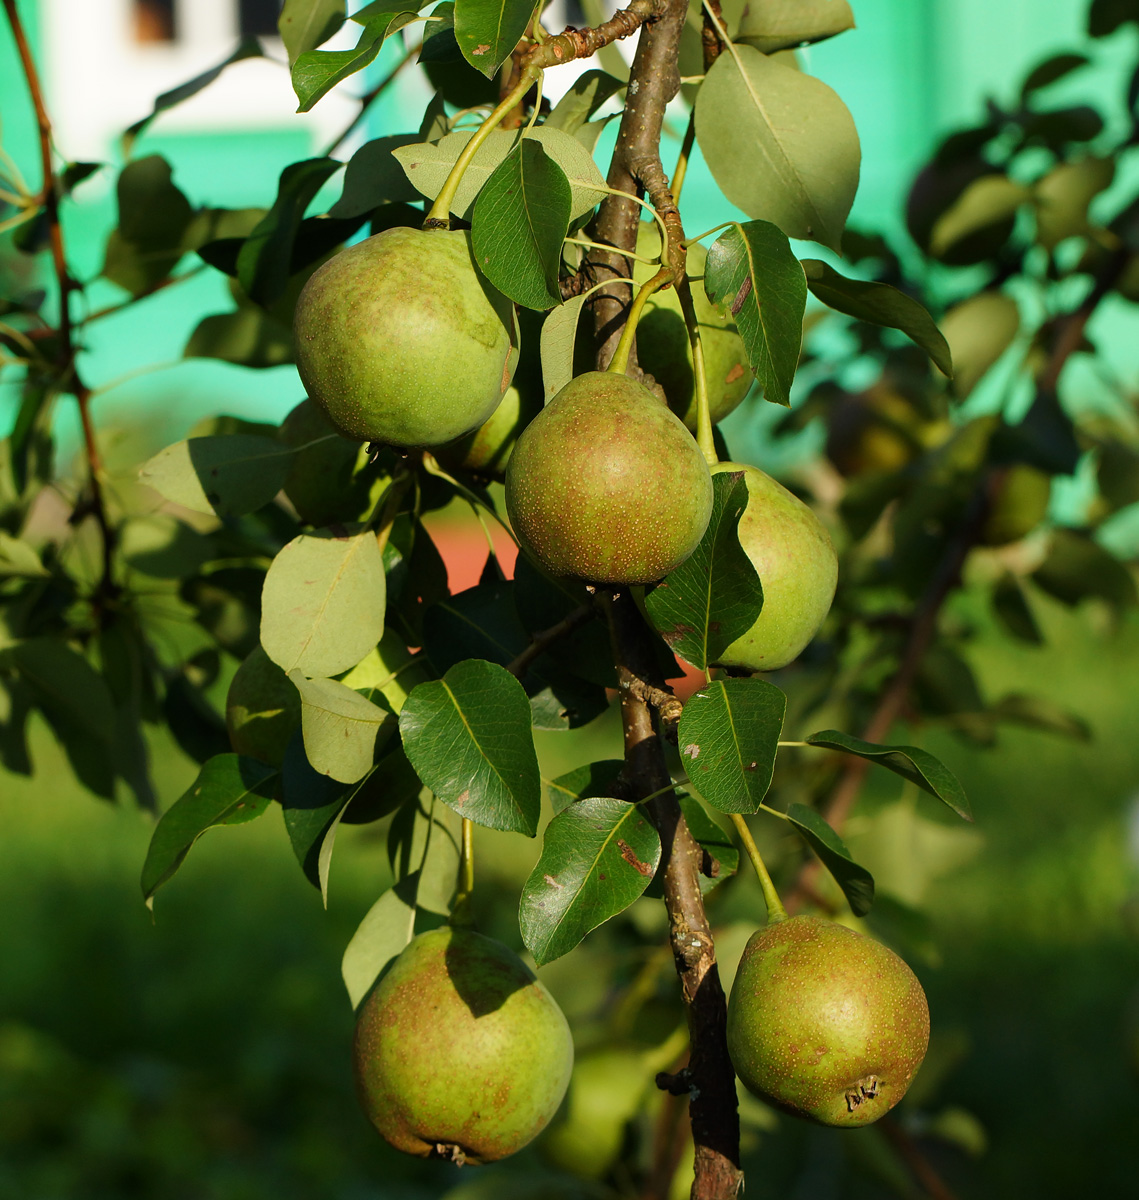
(598, 856)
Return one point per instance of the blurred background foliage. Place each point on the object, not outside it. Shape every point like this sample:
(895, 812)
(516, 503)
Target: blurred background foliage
(203, 1054)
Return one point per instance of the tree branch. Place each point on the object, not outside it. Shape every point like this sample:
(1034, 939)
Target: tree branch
(541, 642)
(635, 165)
(65, 358)
(711, 1079)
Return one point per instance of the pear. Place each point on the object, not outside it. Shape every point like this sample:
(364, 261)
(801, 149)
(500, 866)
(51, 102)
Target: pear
(401, 341)
(797, 566)
(262, 709)
(826, 1023)
(607, 485)
(663, 348)
(459, 1051)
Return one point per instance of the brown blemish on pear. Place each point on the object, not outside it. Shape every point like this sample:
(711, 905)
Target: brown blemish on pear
(826, 1023)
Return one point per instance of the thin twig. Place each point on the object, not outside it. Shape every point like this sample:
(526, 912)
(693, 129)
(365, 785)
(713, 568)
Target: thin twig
(541, 642)
(909, 1151)
(66, 352)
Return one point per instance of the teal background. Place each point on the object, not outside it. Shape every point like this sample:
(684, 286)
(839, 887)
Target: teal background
(910, 72)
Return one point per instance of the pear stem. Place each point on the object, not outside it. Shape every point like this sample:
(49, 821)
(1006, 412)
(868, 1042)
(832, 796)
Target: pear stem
(440, 214)
(388, 507)
(461, 913)
(704, 438)
(775, 910)
(620, 361)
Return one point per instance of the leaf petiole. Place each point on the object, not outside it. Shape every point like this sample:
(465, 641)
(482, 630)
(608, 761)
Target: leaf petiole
(775, 910)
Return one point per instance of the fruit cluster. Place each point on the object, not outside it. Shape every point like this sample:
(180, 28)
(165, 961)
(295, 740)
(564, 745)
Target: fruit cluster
(459, 1051)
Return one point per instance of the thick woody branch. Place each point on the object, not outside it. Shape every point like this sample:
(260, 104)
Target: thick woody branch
(655, 79)
(709, 1079)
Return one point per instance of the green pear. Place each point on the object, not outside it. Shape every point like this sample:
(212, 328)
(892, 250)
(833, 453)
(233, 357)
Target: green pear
(320, 481)
(663, 348)
(607, 485)
(460, 1052)
(797, 566)
(826, 1023)
(401, 341)
(262, 709)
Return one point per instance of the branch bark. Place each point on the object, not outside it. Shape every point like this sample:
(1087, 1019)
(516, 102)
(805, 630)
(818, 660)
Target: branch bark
(711, 1078)
(635, 167)
(65, 358)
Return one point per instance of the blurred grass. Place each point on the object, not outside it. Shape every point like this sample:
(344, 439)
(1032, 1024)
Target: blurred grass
(204, 1054)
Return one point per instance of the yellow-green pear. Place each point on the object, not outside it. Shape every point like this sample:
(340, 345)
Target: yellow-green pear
(401, 341)
(797, 567)
(826, 1023)
(460, 1052)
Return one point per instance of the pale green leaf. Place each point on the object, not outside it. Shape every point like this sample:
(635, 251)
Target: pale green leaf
(340, 727)
(306, 24)
(228, 475)
(772, 25)
(428, 165)
(322, 605)
(781, 144)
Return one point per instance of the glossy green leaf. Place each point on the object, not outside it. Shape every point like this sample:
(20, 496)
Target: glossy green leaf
(488, 30)
(912, 763)
(322, 605)
(425, 868)
(715, 595)
(598, 856)
(783, 24)
(306, 24)
(781, 144)
(228, 475)
(428, 165)
(879, 304)
(229, 790)
(154, 216)
(729, 737)
(592, 779)
(340, 727)
(520, 220)
(856, 882)
(1011, 607)
(751, 273)
(468, 737)
(316, 72)
(374, 177)
(586, 95)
